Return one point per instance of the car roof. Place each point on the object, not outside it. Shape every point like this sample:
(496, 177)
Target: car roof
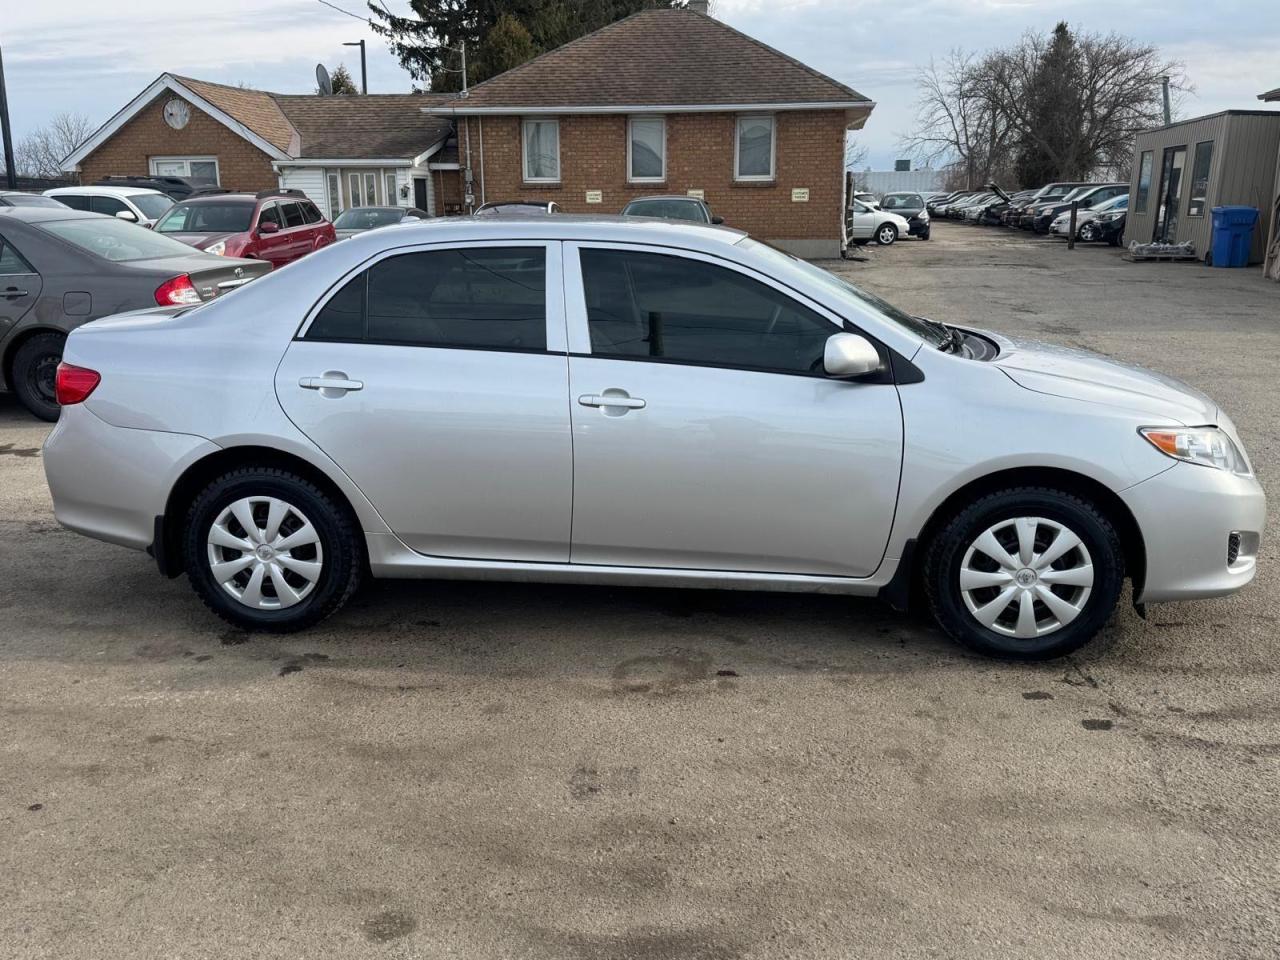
(104, 191)
(586, 227)
(47, 214)
(665, 196)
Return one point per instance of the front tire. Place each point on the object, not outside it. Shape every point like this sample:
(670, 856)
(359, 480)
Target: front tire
(886, 234)
(35, 368)
(1028, 573)
(1088, 233)
(268, 550)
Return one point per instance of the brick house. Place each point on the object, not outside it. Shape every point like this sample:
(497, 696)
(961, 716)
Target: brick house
(342, 151)
(666, 101)
(662, 102)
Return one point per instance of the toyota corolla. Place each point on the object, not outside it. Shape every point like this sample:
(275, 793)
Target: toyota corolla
(566, 399)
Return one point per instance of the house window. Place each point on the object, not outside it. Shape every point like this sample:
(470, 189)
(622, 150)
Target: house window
(646, 149)
(335, 193)
(754, 148)
(1144, 182)
(201, 169)
(391, 190)
(356, 195)
(1200, 178)
(371, 189)
(541, 151)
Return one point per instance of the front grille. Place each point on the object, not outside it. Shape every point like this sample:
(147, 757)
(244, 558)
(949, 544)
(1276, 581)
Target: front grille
(1233, 548)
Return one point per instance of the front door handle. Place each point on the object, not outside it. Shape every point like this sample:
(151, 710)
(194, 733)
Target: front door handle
(607, 400)
(331, 381)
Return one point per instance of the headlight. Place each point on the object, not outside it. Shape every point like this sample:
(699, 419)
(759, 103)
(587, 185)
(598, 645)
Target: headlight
(219, 248)
(1111, 217)
(1206, 446)
(923, 216)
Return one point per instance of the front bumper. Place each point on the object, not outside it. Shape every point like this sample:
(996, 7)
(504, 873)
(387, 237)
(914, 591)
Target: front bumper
(917, 227)
(1187, 515)
(109, 482)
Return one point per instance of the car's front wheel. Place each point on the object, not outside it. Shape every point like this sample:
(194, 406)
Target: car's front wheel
(35, 369)
(266, 549)
(886, 234)
(1027, 573)
(1089, 233)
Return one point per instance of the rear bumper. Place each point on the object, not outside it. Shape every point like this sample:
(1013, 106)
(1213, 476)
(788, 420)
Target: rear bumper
(1187, 515)
(110, 483)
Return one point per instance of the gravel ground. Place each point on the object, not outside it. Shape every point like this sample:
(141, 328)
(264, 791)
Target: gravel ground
(485, 771)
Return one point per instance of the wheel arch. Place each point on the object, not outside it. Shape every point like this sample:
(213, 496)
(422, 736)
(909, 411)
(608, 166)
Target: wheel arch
(1069, 481)
(167, 546)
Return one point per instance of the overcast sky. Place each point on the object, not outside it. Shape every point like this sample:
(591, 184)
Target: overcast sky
(92, 57)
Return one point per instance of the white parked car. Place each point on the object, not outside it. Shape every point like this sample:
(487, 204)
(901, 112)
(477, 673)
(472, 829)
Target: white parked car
(613, 400)
(1088, 219)
(871, 223)
(135, 204)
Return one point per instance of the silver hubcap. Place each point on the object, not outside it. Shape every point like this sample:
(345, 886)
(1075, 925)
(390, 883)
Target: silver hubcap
(265, 553)
(1026, 577)
(886, 235)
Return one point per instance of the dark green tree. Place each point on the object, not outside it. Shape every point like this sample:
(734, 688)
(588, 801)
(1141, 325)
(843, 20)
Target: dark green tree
(1053, 108)
(342, 82)
(428, 41)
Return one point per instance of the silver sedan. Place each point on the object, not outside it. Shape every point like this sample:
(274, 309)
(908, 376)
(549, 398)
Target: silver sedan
(634, 402)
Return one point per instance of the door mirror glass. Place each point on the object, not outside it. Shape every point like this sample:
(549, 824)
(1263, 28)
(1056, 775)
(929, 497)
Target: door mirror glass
(717, 220)
(268, 226)
(850, 355)
(127, 215)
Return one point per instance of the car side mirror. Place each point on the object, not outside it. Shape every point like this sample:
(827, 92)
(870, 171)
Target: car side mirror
(268, 226)
(127, 215)
(849, 355)
(717, 220)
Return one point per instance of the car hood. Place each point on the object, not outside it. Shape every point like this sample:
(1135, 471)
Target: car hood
(1080, 375)
(199, 240)
(344, 233)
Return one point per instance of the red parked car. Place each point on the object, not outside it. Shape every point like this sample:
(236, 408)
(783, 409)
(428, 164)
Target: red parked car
(278, 226)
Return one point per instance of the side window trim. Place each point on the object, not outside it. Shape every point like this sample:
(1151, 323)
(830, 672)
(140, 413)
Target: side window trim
(556, 320)
(579, 333)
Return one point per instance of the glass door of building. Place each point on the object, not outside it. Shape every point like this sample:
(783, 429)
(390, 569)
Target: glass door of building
(1170, 195)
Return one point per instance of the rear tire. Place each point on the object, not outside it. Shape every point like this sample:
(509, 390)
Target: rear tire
(1017, 607)
(35, 367)
(300, 562)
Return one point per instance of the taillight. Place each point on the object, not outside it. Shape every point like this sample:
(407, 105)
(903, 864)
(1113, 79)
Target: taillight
(178, 292)
(74, 384)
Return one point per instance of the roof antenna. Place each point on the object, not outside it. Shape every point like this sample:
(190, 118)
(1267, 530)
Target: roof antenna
(323, 81)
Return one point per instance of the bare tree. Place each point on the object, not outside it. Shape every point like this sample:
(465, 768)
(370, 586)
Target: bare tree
(41, 152)
(855, 154)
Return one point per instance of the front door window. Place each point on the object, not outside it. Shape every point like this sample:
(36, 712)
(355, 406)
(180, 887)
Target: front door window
(1170, 195)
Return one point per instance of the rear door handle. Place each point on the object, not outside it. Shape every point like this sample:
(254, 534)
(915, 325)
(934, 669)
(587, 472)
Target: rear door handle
(599, 400)
(13, 293)
(330, 383)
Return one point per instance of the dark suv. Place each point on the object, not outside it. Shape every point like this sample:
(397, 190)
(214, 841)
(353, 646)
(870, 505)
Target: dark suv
(279, 226)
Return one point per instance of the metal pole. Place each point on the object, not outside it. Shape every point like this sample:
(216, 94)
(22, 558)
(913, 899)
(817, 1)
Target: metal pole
(11, 171)
(364, 73)
(1168, 112)
(1071, 231)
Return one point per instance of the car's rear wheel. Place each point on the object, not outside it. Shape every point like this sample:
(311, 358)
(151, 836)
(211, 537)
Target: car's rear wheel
(886, 234)
(268, 550)
(35, 369)
(1027, 573)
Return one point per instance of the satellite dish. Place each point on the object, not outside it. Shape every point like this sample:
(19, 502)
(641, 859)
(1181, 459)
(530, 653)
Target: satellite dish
(323, 81)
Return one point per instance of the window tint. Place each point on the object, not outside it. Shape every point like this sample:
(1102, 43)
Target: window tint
(342, 318)
(293, 215)
(108, 205)
(205, 216)
(76, 201)
(311, 213)
(483, 297)
(672, 308)
(11, 262)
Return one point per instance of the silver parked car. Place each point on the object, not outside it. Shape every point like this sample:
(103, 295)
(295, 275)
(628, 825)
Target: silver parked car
(572, 399)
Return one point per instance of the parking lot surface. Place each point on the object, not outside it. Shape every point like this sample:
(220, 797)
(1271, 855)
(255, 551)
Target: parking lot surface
(488, 770)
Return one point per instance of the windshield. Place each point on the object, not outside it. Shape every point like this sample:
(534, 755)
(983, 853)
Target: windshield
(152, 205)
(671, 209)
(224, 216)
(902, 201)
(503, 208)
(116, 240)
(845, 292)
(366, 218)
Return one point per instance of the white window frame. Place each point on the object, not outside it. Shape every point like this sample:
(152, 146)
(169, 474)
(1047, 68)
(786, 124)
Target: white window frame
(647, 118)
(773, 148)
(331, 177)
(154, 161)
(390, 183)
(524, 149)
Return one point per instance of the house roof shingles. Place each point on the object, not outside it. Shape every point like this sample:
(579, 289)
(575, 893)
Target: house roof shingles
(377, 126)
(254, 108)
(659, 57)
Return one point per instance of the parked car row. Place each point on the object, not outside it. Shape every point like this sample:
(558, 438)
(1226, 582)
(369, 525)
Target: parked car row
(1100, 209)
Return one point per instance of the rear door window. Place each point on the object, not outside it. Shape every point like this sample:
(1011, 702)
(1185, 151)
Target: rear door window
(76, 201)
(490, 298)
(108, 205)
(12, 263)
(293, 214)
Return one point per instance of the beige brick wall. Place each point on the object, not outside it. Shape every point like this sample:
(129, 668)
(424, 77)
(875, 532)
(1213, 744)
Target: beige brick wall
(700, 155)
(241, 165)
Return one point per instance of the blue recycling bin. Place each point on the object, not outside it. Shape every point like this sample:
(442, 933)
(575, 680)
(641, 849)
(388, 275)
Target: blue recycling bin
(1232, 235)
